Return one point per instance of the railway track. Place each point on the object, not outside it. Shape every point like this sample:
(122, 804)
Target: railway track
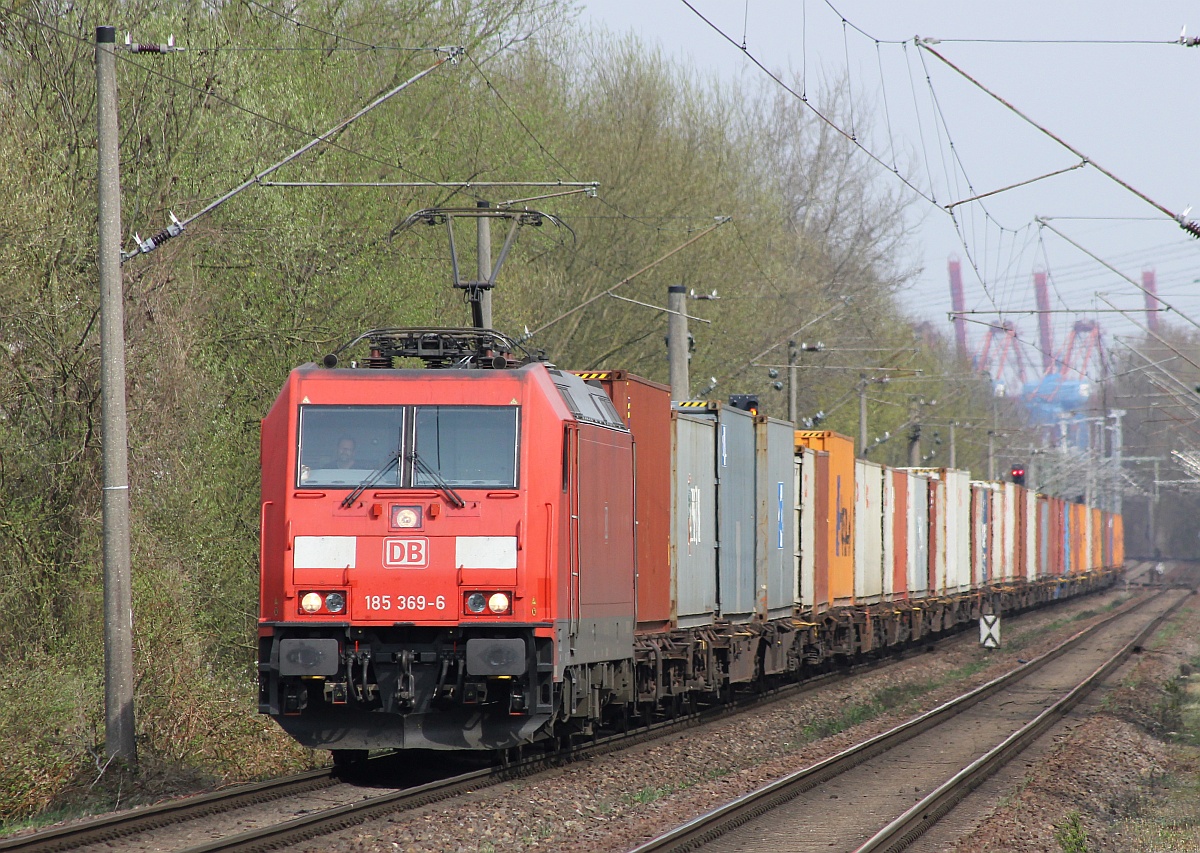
(135, 821)
(304, 809)
(150, 828)
(883, 793)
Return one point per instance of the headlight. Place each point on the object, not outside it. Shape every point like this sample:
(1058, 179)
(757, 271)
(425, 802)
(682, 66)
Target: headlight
(335, 602)
(311, 602)
(476, 602)
(498, 603)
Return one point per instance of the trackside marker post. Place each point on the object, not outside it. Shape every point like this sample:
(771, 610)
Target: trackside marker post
(989, 632)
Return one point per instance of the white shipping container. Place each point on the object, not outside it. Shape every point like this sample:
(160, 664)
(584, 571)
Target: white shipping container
(958, 530)
(868, 532)
(918, 536)
(1031, 535)
(806, 490)
(1009, 527)
(889, 534)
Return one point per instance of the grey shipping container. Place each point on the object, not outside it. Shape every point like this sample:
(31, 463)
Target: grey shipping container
(775, 517)
(736, 586)
(694, 514)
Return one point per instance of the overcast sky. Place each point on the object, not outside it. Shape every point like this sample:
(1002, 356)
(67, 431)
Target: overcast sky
(1123, 94)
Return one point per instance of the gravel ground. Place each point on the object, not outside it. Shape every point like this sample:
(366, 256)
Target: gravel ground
(614, 802)
(1126, 778)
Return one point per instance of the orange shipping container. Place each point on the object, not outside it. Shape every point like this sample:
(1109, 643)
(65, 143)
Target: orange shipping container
(1078, 539)
(840, 498)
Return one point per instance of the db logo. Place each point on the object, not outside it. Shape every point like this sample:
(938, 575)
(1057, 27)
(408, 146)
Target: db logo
(405, 553)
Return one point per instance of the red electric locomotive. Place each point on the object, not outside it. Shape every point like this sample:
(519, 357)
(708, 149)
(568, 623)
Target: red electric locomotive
(448, 553)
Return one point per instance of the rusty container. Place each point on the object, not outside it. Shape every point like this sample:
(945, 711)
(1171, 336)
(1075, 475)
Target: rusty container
(840, 495)
(895, 580)
(1018, 560)
(936, 570)
(645, 407)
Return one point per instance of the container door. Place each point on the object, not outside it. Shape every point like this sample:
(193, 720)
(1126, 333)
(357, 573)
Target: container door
(694, 515)
(823, 536)
(958, 527)
(776, 516)
(736, 585)
(918, 536)
(868, 532)
(899, 564)
(888, 533)
(806, 532)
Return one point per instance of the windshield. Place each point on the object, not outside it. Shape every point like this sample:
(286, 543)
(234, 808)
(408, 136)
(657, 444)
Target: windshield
(344, 445)
(457, 446)
(466, 445)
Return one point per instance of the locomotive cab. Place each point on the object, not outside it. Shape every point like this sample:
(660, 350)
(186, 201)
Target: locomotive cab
(424, 580)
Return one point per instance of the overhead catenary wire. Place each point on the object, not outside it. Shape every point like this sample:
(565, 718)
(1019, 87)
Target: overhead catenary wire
(965, 238)
(178, 226)
(1114, 270)
(721, 220)
(1051, 135)
(541, 147)
(803, 99)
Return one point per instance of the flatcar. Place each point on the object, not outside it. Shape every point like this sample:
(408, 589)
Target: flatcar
(485, 551)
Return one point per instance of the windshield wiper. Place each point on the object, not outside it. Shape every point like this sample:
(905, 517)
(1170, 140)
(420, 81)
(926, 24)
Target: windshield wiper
(432, 473)
(349, 500)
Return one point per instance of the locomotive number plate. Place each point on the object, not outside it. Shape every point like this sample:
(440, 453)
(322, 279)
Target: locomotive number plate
(405, 553)
(405, 602)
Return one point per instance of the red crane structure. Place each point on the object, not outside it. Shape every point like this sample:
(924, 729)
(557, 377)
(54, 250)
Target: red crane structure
(1000, 355)
(959, 304)
(1153, 306)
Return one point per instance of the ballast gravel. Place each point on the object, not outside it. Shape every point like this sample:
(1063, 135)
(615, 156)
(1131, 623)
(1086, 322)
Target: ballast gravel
(615, 802)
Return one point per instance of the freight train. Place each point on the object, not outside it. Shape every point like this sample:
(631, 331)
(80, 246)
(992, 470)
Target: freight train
(483, 551)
